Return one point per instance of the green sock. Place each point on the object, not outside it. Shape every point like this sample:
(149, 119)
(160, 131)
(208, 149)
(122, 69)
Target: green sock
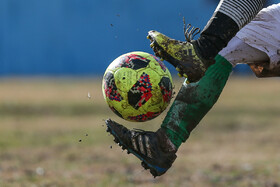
(194, 100)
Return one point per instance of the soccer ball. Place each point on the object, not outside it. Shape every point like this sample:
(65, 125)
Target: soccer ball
(137, 86)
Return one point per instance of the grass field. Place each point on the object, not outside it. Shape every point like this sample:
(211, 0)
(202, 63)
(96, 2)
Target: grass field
(52, 134)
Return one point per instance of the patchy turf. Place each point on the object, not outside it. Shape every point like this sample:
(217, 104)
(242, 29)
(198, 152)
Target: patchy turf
(52, 134)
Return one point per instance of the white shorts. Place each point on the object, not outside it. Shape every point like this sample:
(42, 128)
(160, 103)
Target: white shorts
(260, 37)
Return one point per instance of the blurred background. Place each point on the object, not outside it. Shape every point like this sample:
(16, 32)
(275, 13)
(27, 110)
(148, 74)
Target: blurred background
(53, 54)
(70, 37)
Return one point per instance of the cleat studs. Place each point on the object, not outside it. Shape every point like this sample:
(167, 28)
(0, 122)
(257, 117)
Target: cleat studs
(116, 140)
(179, 74)
(185, 75)
(152, 45)
(153, 172)
(108, 129)
(161, 59)
(178, 69)
(144, 165)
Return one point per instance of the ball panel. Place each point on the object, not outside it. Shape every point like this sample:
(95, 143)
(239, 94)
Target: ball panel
(140, 92)
(130, 60)
(166, 89)
(125, 78)
(130, 111)
(144, 117)
(154, 104)
(110, 88)
(134, 61)
(161, 64)
(116, 112)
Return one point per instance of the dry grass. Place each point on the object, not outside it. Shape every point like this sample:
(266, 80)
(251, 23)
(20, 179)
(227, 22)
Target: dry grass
(43, 121)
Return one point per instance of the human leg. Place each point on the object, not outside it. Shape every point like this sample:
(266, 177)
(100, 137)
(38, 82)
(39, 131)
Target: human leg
(194, 100)
(229, 17)
(157, 150)
(258, 44)
(237, 52)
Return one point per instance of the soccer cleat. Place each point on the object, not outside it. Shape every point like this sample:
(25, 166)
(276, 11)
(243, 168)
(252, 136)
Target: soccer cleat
(181, 55)
(154, 149)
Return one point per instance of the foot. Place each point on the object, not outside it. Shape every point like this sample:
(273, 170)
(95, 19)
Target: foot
(181, 55)
(154, 149)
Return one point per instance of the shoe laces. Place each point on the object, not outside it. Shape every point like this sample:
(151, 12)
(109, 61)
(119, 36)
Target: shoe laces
(189, 31)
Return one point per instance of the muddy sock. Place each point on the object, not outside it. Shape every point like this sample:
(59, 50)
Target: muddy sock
(194, 100)
(229, 17)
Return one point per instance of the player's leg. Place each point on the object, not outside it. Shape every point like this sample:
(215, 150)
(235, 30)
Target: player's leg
(258, 44)
(194, 100)
(194, 57)
(157, 150)
(239, 52)
(263, 34)
(229, 17)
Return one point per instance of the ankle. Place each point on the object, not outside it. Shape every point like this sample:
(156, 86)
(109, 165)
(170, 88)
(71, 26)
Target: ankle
(165, 142)
(206, 61)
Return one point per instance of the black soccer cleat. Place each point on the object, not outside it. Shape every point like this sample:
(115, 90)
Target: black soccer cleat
(154, 149)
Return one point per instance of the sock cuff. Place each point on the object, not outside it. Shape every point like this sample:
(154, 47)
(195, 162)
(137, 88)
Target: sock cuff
(243, 12)
(174, 137)
(220, 69)
(221, 60)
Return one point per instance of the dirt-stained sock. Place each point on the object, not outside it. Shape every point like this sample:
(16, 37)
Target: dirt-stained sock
(194, 100)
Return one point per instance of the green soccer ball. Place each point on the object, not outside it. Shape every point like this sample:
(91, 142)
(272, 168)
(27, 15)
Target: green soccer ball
(137, 86)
